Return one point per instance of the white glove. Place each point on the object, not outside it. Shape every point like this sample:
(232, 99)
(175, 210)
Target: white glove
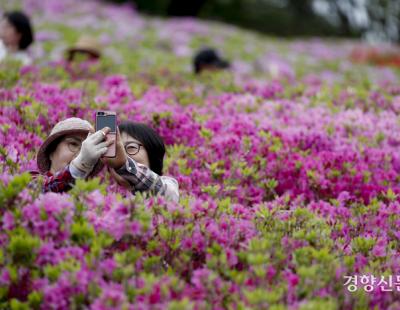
(93, 147)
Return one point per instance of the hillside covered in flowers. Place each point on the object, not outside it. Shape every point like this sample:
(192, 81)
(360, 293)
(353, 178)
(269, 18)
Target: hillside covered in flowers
(288, 168)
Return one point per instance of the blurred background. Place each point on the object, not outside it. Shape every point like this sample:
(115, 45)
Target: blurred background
(372, 20)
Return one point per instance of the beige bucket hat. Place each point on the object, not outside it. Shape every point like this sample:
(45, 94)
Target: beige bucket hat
(85, 44)
(68, 126)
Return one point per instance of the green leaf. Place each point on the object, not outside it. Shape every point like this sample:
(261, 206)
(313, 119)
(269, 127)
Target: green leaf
(363, 245)
(82, 233)
(18, 305)
(390, 194)
(35, 299)
(14, 187)
(181, 304)
(22, 249)
(151, 262)
(87, 186)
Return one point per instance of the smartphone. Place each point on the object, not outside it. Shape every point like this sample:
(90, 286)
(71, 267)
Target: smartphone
(108, 119)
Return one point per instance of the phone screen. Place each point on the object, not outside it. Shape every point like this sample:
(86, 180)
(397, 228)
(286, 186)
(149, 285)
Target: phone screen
(106, 121)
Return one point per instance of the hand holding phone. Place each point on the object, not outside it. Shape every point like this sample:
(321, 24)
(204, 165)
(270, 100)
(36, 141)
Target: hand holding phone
(120, 158)
(108, 119)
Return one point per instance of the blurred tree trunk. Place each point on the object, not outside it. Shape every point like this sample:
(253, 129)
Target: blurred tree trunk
(384, 16)
(344, 18)
(301, 7)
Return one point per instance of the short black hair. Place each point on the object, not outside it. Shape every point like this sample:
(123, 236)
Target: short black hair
(208, 56)
(151, 141)
(22, 24)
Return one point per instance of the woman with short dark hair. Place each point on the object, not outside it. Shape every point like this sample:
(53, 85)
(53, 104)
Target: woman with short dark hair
(140, 157)
(16, 35)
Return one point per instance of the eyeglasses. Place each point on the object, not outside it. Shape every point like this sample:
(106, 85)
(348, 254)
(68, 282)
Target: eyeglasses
(73, 145)
(133, 148)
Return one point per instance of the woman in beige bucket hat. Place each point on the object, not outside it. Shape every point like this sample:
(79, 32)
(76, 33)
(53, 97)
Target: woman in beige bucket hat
(71, 151)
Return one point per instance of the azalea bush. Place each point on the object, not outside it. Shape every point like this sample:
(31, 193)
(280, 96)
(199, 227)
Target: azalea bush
(288, 167)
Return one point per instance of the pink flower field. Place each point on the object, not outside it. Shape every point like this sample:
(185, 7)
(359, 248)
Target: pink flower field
(288, 168)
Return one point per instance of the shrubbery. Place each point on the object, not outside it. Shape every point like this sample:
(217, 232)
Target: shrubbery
(288, 171)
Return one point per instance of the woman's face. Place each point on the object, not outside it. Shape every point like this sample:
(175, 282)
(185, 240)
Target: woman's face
(8, 34)
(82, 56)
(131, 146)
(67, 149)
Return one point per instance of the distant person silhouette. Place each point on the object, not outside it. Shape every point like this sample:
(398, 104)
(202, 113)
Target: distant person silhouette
(86, 48)
(16, 35)
(208, 60)
(83, 58)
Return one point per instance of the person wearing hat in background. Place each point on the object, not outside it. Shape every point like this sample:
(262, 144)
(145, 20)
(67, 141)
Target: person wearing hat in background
(81, 57)
(16, 35)
(208, 60)
(86, 48)
(71, 151)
